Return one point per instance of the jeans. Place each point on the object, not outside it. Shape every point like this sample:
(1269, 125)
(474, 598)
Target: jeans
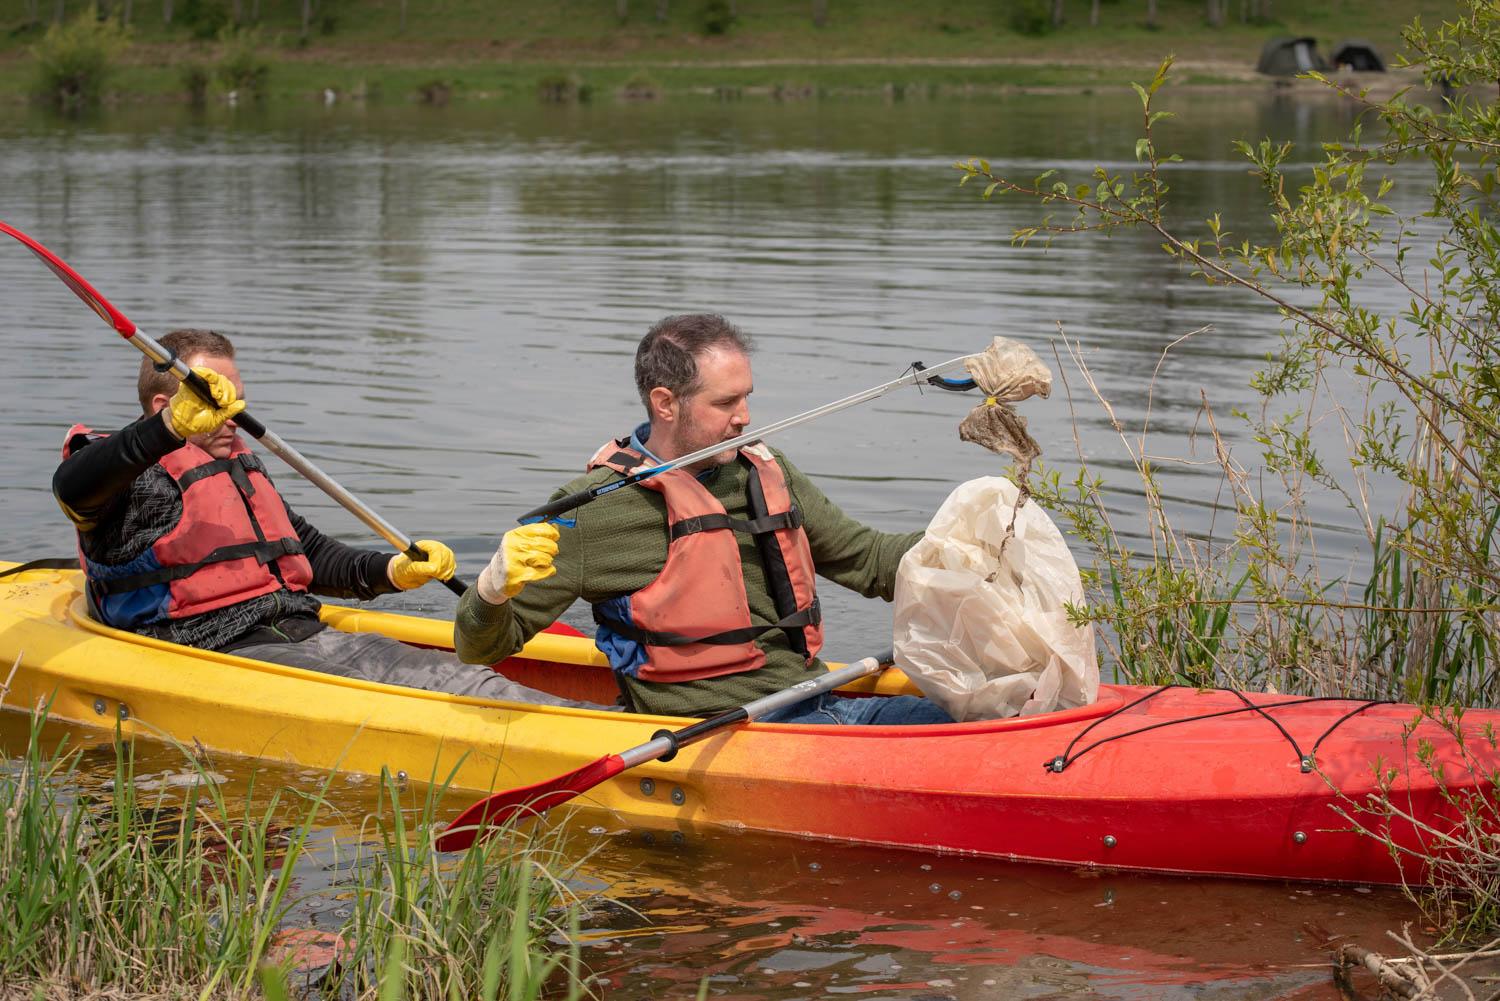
(372, 657)
(895, 710)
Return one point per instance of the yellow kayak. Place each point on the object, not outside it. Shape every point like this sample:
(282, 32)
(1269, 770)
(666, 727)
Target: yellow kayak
(1171, 779)
(89, 673)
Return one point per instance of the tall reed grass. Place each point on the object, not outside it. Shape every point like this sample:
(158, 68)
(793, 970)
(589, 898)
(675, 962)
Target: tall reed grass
(181, 893)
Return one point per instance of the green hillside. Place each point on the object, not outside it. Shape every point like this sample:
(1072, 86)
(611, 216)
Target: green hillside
(498, 47)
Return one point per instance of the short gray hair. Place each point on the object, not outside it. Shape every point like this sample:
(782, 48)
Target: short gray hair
(184, 343)
(668, 354)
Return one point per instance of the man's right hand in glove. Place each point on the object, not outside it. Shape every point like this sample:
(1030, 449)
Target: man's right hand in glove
(187, 414)
(525, 554)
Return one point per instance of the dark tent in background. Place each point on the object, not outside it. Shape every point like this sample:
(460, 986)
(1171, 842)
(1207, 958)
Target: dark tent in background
(1358, 55)
(1290, 56)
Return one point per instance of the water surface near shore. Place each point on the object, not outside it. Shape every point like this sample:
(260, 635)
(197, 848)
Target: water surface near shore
(440, 305)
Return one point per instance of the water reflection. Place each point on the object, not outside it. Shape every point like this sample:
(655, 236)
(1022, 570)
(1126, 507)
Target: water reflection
(785, 919)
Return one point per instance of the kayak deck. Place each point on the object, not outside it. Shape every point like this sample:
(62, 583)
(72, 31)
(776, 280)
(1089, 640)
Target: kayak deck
(1167, 780)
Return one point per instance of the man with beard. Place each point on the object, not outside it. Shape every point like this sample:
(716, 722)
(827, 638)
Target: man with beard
(701, 579)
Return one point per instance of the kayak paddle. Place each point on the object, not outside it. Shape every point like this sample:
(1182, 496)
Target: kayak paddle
(162, 357)
(475, 823)
(918, 376)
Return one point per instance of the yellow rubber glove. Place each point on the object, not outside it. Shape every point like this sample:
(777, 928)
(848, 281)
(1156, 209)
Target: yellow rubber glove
(188, 415)
(407, 573)
(525, 555)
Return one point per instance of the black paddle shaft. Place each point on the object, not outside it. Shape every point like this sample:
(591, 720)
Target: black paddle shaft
(565, 504)
(199, 385)
(692, 734)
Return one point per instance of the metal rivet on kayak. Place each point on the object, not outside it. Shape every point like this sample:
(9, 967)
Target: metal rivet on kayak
(124, 711)
(678, 797)
(1109, 841)
(1299, 838)
(678, 838)
(401, 777)
(1307, 764)
(99, 707)
(648, 787)
(1059, 763)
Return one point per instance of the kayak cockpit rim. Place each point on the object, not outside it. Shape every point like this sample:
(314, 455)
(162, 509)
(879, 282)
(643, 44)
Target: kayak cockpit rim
(549, 648)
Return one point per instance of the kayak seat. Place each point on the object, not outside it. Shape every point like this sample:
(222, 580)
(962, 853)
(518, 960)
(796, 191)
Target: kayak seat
(580, 682)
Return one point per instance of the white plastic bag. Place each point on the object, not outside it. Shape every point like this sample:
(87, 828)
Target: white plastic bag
(985, 635)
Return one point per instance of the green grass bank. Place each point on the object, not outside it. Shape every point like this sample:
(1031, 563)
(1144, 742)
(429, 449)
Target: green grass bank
(172, 886)
(399, 49)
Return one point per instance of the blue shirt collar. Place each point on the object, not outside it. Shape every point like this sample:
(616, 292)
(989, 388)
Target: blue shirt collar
(638, 440)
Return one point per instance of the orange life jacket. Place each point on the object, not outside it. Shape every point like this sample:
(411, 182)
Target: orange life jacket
(693, 620)
(233, 542)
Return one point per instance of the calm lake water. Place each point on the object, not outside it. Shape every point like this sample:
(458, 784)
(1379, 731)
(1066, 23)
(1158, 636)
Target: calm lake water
(440, 306)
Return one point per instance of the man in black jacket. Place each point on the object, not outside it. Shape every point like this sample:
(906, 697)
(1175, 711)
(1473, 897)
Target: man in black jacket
(184, 538)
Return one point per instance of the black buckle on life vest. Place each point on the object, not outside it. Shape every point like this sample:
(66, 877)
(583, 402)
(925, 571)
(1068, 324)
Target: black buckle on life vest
(755, 526)
(237, 466)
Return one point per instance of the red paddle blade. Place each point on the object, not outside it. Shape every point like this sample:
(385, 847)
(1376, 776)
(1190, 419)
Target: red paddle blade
(477, 821)
(75, 281)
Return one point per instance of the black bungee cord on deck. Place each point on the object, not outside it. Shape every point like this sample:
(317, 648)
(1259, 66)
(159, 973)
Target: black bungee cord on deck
(1061, 762)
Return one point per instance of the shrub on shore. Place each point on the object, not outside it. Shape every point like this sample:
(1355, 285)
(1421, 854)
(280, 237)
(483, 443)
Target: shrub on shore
(563, 88)
(717, 17)
(1032, 18)
(242, 68)
(195, 78)
(639, 86)
(75, 58)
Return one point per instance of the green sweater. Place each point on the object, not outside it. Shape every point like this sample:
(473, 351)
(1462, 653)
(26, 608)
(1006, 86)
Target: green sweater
(619, 545)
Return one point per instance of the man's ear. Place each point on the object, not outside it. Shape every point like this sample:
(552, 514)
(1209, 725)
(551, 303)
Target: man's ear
(159, 402)
(663, 404)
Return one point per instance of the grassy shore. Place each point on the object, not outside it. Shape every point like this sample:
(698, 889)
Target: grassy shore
(169, 887)
(505, 48)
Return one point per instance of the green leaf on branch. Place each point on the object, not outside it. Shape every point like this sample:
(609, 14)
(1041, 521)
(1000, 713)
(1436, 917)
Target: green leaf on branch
(1161, 74)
